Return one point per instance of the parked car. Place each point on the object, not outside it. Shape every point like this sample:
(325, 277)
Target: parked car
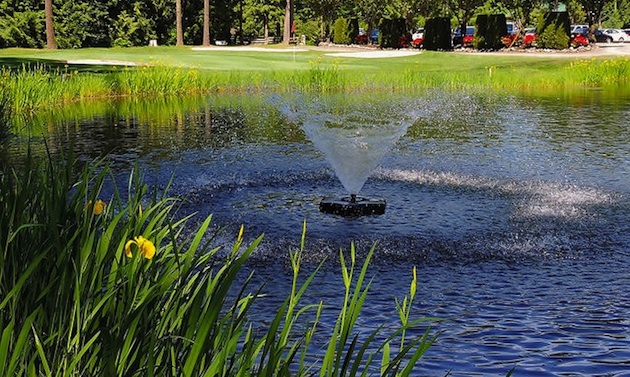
(511, 28)
(465, 40)
(417, 38)
(362, 37)
(611, 35)
(374, 36)
(512, 37)
(580, 40)
(579, 30)
(529, 39)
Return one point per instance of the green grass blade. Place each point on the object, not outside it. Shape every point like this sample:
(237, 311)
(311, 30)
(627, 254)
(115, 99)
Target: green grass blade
(41, 353)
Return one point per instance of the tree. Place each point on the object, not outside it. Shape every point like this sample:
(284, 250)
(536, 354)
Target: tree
(464, 10)
(288, 22)
(206, 23)
(616, 14)
(521, 11)
(594, 10)
(178, 22)
(576, 12)
(50, 26)
(258, 15)
(83, 23)
(326, 10)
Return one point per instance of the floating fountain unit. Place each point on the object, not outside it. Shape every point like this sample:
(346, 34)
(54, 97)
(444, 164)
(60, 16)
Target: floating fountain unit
(353, 206)
(353, 134)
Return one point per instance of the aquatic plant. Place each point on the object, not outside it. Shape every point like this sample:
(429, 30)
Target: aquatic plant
(5, 111)
(597, 72)
(95, 283)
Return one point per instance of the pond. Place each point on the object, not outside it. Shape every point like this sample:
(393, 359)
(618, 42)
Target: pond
(515, 209)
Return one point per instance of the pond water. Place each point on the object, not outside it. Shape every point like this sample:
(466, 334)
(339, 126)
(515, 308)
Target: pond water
(515, 210)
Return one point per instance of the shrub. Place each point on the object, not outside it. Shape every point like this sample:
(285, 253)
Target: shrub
(393, 33)
(437, 34)
(311, 30)
(19, 30)
(553, 37)
(489, 31)
(554, 31)
(341, 35)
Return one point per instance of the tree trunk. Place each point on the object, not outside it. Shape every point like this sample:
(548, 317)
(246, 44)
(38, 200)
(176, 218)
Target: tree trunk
(240, 22)
(266, 27)
(288, 22)
(178, 21)
(50, 26)
(206, 23)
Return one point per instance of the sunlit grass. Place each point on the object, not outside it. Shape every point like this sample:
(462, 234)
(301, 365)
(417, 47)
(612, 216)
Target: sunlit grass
(31, 88)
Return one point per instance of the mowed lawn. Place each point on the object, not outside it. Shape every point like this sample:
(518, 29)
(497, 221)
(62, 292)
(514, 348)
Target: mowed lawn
(284, 66)
(290, 58)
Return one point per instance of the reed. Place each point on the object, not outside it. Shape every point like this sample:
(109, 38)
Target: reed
(6, 111)
(118, 284)
(39, 87)
(596, 72)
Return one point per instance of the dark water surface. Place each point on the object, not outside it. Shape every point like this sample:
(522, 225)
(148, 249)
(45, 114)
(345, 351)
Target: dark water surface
(514, 210)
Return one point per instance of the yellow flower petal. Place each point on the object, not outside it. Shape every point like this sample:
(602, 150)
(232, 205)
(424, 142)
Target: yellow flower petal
(128, 248)
(99, 207)
(147, 249)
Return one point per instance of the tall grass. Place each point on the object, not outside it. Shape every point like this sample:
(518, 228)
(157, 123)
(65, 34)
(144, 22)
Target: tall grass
(594, 72)
(6, 111)
(34, 88)
(120, 286)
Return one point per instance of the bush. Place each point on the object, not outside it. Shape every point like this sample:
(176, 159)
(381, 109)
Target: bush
(311, 30)
(489, 31)
(437, 34)
(19, 30)
(553, 37)
(353, 29)
(341, 36)
(554, 31)
(393, 33)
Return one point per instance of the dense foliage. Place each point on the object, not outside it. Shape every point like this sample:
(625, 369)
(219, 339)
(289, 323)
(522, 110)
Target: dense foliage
(111, 284)
(555, 31)
(90, 23)
(489, 31)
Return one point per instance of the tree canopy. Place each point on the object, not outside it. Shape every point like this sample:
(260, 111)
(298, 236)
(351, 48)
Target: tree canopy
(103, 23)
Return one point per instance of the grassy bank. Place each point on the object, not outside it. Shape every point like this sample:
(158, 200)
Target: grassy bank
(50, 77)
(95, 284)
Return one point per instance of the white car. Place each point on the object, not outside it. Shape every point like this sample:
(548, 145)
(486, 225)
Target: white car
(417, 38)
(616, 35)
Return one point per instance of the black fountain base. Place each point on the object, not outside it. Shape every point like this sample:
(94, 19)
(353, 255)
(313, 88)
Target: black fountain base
(353, 206)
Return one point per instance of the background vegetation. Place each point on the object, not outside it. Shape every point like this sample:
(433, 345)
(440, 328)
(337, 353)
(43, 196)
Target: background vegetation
(97, 23)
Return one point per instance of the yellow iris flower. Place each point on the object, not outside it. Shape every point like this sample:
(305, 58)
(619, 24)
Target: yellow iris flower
(146, 247)
(98, 208)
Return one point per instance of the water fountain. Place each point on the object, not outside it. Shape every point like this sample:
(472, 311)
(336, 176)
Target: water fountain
(354, 134)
